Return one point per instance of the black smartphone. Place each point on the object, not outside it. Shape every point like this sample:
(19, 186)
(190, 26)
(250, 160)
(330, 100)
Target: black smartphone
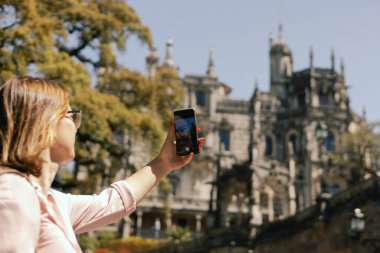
(186, 132)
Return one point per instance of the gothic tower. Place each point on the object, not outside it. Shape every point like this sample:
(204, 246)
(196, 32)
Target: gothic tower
(281, 65)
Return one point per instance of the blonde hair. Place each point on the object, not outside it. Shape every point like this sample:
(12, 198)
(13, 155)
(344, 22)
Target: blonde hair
(30, 110)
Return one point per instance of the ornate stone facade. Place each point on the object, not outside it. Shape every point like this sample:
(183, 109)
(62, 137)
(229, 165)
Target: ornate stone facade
(265, 158)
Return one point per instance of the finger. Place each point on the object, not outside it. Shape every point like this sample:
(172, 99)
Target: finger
(171, 132)
(201, 140)
(187, 159)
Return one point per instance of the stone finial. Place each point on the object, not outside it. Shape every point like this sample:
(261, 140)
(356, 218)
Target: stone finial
(169, 62)
(311, 57)
(364, 116)
(332, 60)
(152, 60)
(256, 92)
(280, 39)
(270, 39)
(342, 66)
(211, 72)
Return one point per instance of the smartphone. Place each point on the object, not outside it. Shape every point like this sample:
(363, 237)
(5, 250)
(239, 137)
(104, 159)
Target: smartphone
(185, 125)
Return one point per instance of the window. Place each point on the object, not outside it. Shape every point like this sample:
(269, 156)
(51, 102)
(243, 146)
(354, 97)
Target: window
(264, 200)
(293, 140)
(266, 107)
(268, 146)
(335, 189)
(301, 99)
(323, 99)
(277, 207)
(265, 218)
(224, 136)
(201, 98)
(182, 222)
(174, 181)
(331, 189)
(174, 187)
(330, 142)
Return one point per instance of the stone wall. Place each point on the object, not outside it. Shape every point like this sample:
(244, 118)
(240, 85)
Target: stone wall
(316, 231)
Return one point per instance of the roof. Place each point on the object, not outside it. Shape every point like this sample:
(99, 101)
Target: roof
(205, 80)
(233, 106)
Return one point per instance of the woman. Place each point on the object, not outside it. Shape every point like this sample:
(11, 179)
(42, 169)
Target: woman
(37, 135)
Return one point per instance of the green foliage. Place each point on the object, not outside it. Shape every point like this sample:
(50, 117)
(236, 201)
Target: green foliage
(168, 90)
(95, 242)
(178, 235)
(132, 244)
(105, 237)
(351, 150)
(64, 40)
(165, 190)
(88, 242)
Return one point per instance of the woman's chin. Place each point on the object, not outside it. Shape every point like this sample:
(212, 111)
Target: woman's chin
(66, 159)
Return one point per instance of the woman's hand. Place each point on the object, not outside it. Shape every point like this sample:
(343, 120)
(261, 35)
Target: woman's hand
(168, 155)
(146, 178)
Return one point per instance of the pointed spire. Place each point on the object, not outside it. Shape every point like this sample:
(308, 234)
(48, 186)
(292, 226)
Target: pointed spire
(332, 60)
(256, 92)
(364, 116)
(311, 57)
(270, 39)
(152, 60)
(211, 72)
(342, 66)
(169, 62)
(280, 39)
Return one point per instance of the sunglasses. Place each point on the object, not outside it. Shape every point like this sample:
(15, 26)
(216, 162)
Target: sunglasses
(76, 116)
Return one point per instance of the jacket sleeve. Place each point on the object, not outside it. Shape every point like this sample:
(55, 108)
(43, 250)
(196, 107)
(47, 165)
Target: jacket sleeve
(19, 215)
(88, 212)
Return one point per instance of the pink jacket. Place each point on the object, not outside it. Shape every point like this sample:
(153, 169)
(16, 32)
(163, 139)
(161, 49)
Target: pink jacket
(31, 221)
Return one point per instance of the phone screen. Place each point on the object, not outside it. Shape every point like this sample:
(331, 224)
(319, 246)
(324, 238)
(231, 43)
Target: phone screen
(186, 132)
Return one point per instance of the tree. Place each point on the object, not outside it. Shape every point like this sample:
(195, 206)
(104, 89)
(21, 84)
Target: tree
(68, 41)
(358, 153)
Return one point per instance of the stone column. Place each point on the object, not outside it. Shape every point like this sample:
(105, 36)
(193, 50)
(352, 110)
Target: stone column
(169, 221)
(157, 228)
(127, 227)
(314, 91)
(291, 187)
(198, 224)
(270, 206)
(255, 212)
(139, 222)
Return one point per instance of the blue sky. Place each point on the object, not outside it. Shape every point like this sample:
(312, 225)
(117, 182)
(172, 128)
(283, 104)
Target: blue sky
(239, 33)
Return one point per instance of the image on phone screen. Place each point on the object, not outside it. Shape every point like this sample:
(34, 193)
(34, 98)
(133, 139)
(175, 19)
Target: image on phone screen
(186, 132)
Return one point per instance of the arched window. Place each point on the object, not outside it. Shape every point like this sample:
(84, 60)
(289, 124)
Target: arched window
(264, 200)
(225, 130)
(293, 140)
(201, 98)
(323, 98)
(335, 189)
(224, 136)
(277, 207)
(301, 99)
(174, 181)
(268, 146)
(330, 142)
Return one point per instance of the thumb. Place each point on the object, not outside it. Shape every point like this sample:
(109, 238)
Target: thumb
(187, 159)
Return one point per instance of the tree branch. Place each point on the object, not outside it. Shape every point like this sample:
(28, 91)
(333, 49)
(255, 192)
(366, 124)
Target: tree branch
(76, 51)
(10, 26)
(87, 60)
